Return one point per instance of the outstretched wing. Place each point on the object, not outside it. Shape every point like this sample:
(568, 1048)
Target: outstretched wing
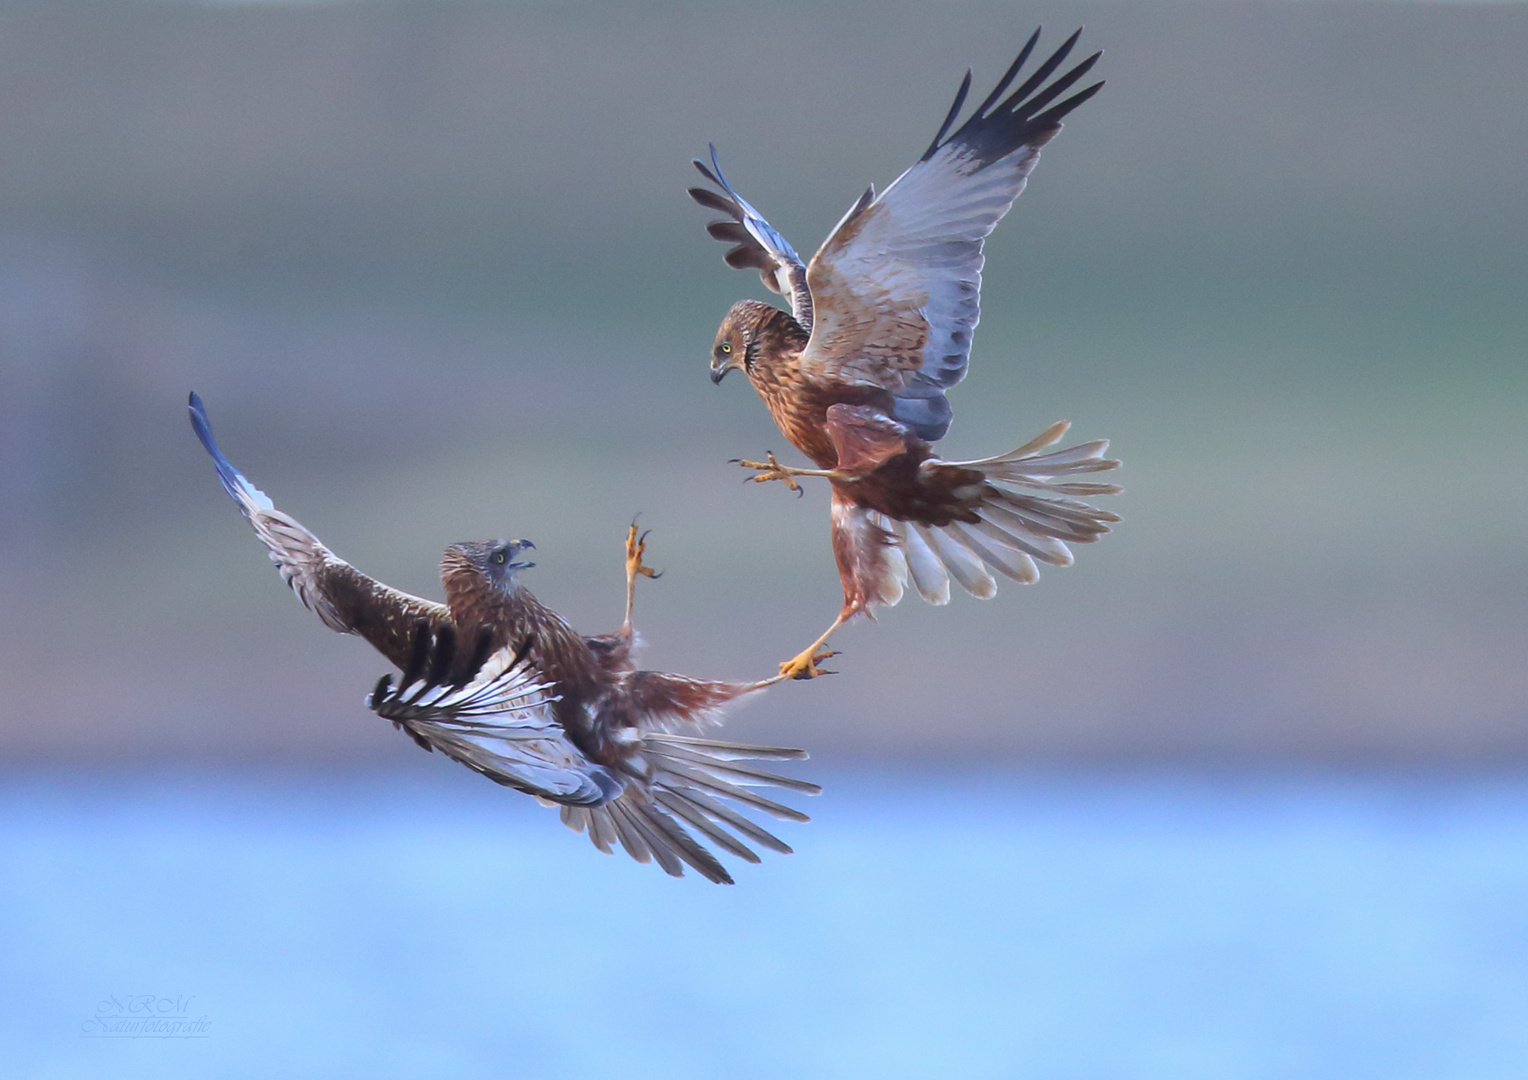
(757, 243)
(496, 722)
(343, 597)
(896, 287)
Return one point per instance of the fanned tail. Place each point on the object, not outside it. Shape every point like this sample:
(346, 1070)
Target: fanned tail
(681, 805)
(1026, 515)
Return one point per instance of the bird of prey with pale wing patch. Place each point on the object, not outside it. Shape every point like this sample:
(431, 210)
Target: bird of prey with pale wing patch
(499, 682)
(880, 327)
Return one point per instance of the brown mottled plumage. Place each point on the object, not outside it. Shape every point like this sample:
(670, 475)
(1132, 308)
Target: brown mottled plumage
(501, 683)
(879, 328)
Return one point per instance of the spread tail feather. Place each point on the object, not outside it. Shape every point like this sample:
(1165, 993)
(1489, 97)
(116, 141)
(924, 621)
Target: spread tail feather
(1024, 516)
(678, 804)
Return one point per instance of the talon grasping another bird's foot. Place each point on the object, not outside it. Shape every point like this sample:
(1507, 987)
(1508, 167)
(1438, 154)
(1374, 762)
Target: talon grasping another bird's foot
(804, 665)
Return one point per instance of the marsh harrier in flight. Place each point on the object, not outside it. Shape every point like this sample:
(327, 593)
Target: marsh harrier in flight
(880, 327)
(499, 682)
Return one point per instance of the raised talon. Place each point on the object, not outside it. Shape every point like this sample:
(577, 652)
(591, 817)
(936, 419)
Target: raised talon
(635, 546)
(804, 666)
(770, 470)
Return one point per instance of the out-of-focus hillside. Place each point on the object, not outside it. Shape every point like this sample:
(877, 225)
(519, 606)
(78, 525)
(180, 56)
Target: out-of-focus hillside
(432, 267)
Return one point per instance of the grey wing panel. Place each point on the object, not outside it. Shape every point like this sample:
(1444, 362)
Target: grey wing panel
(924, 408)
(757, 243)
(897, 285)
(964, 185)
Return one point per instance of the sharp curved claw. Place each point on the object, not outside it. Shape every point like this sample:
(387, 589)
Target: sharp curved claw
(805, 666)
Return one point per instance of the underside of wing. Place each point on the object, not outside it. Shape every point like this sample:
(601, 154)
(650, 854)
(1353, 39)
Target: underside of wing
(896, 286)
(344, 598)
(756, 243)
(496, 720)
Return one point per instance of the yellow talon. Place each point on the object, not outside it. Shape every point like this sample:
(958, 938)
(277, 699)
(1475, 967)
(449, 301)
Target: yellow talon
(804, 665)
(771, 470)
(635, 546)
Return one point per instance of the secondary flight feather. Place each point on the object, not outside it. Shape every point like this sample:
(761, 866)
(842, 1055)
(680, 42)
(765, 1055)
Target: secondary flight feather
(880, 326)
(499, 682)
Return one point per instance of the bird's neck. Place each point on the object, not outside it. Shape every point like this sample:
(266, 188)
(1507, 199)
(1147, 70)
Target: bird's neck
(784, 385)
(511, 615)
(474, 601)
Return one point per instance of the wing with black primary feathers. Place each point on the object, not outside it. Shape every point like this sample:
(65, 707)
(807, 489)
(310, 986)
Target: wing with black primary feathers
(757, 242)
(496, 722)
(896, 287)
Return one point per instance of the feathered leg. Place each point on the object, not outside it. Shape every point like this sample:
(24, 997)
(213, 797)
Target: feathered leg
(871, 569)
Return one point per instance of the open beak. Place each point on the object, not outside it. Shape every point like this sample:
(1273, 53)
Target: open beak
(521, 545)
(719, 371)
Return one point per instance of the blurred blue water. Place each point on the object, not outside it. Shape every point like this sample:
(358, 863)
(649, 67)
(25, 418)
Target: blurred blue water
(973, 924)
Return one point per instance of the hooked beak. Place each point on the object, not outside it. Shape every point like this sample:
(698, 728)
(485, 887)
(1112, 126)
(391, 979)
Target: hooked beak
(521, 545)
(719, 372)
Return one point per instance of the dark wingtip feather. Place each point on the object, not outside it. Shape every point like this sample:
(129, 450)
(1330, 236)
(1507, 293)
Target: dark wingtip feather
(742, 257)
(1056, 112)
(379, 692)
(729, 232)
(480, 654)
(960, 99)
(712, 201)
(1060, 86)
(1022, 119)
(1013, 70)
(419, 652)
(444, 654)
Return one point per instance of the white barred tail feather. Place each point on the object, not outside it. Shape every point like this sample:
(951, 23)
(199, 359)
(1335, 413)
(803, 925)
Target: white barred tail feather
(1025, 516)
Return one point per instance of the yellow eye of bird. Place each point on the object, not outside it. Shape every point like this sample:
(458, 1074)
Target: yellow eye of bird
(498, 556)
(726, 346)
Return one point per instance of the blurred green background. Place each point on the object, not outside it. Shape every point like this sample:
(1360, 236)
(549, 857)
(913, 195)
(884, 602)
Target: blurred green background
(432, 267)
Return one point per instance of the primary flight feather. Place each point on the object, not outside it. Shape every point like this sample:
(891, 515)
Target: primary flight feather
(496, 680)
(880, 326)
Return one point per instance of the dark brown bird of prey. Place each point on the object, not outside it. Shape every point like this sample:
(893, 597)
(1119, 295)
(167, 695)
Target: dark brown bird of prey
(879, 328)
(496, 680)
